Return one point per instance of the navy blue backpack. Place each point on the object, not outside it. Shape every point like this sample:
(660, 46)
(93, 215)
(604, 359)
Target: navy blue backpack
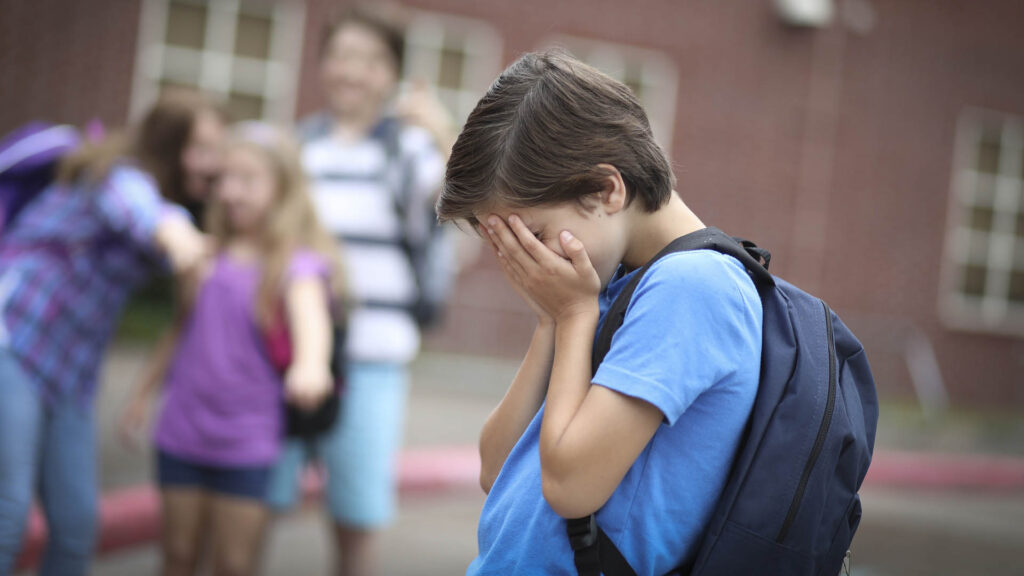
(790, 506)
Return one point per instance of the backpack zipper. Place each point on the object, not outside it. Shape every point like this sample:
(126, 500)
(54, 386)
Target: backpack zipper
(826, 421)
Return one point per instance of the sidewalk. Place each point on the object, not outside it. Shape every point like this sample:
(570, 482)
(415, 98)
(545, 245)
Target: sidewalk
(435, 533)
(908, 528)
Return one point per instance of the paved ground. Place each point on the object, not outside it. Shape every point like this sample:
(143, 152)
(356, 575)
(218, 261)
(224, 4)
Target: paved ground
(434, 534)
(904, 532)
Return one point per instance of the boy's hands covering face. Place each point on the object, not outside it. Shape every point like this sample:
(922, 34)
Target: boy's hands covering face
(543, 318)
(558, 287)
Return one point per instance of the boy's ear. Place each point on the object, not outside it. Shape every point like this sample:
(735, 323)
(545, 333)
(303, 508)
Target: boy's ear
(613, 194)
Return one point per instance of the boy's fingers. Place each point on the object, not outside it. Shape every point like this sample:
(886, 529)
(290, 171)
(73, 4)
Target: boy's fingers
(513, 270)
(506, 268)
(575, 250)
(528, 241)
(486, 235)
(506, 240)
(497, 231)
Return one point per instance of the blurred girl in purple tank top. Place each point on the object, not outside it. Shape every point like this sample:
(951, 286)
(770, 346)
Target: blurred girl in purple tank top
(220, 424)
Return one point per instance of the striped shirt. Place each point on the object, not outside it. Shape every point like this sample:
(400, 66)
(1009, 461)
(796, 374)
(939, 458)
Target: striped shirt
(67, 266)
(353, 187)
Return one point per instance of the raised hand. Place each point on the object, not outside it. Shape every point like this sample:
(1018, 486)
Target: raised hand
(307, 384)
(559, 287)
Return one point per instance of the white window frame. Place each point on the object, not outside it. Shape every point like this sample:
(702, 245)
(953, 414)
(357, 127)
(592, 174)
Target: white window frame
(658, 75)
(993, 312)
(424, 41)
(221, 71)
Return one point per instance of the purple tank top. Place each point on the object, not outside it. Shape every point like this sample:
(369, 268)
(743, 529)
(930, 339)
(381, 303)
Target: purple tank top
(222, 398)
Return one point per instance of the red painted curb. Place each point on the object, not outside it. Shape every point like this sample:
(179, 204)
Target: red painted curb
(946, 471)
(131, 516)
(128, 517)
(428, 470)
(439, 469)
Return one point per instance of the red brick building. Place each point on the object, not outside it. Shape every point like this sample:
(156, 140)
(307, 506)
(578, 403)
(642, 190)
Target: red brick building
(879, 154)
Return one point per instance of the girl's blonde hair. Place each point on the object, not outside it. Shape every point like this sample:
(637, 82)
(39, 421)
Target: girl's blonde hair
(291, 222)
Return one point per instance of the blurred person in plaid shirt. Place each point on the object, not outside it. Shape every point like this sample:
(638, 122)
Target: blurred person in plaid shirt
(113, 218)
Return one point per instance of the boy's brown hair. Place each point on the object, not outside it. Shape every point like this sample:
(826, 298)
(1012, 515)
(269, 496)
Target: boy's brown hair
(539, 134)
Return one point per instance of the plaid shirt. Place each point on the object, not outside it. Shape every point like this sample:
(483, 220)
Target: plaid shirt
(67, 267)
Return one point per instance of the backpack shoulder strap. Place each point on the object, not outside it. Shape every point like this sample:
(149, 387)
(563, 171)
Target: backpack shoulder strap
(314, 127)
(37, 144)
(593, 552)
(710, 238)
(397, 172)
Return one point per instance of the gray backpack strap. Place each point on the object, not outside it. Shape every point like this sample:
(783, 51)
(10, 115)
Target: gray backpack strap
(423, 239)
(398, 169)
(314, 127)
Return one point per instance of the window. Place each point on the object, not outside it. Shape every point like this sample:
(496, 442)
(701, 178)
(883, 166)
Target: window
(984, 280)
(244, 52)
(650, 74)
(457, 57)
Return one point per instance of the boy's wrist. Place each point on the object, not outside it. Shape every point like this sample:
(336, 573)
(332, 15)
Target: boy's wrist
(589, 312)
(577, 322)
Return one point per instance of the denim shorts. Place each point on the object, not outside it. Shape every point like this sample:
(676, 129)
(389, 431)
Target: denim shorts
(240, 481)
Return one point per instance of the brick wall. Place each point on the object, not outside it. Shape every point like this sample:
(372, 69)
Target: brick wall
(832, 148)
(66, 60)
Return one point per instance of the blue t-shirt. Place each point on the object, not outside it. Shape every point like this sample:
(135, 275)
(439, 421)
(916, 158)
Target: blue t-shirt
(691, 346)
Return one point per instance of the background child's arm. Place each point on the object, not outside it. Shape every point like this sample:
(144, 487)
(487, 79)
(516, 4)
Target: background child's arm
(130, 205)
(421, 107)
(590, 435)
(184, 246)
(308, 379)
(136, 412)
(520, 404)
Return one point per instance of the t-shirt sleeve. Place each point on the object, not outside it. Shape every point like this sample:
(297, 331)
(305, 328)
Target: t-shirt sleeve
(130, 204)
(307, 264)
(694, 319)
